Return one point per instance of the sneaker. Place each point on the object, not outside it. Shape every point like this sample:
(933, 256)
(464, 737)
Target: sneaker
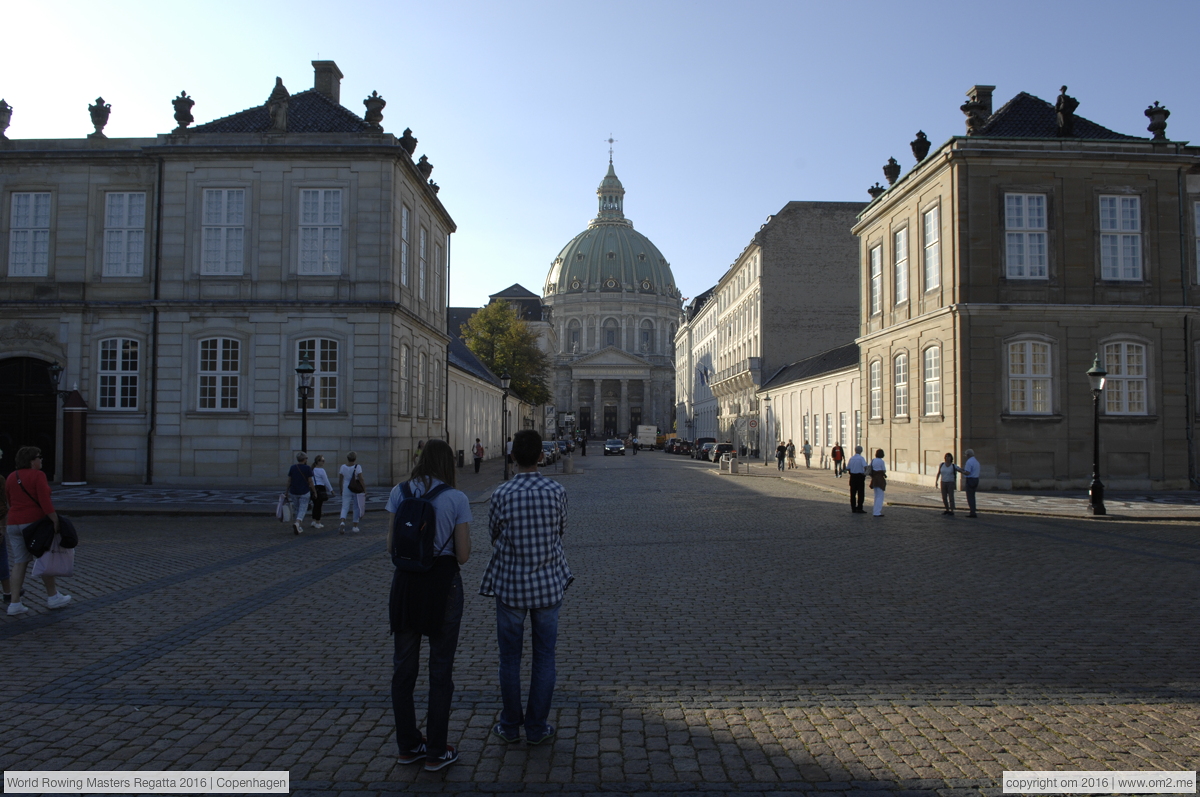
(413, 756)
(57, 601)
(295, 528)
(316, 524)
(342, 527)
(355, 530)
(499, 733)
(17, 608)
(547, 736)
(446, 759)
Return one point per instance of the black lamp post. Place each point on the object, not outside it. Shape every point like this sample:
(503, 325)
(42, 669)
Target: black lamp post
(1096, 375)
(764, 434)
(304, 377)
(505, 381)
(56, 372)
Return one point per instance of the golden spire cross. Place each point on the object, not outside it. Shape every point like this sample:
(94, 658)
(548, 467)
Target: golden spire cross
(611, 141)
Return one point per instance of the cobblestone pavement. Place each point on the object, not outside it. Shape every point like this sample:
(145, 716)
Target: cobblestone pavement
(723, 636)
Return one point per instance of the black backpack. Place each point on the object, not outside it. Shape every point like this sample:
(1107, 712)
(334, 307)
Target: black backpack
(415, 529)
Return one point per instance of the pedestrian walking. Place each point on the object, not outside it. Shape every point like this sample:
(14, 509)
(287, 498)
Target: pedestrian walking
(477, 452)
(635, 446)
(780, 453)
(878, 481)
(970, 473)
(420, 447)
(508, 450)
(857, 467)
(300, 490)
(429, 604)
(838, 455)
(4, 569)
(527, 574)
(946, 476)
(807, 454)
(322, 490)
(791, 455)
(352, 486)
(583, 445)
(29, 494)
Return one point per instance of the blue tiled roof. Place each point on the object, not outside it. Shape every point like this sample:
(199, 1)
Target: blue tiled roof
(1027, 116)
(308, 112)
(832, 360)
(463, 358)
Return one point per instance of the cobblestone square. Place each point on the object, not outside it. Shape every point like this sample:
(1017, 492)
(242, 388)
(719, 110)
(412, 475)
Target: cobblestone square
(723, 635)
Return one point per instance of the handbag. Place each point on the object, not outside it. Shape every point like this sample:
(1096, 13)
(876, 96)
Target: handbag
(283, 510)
(356, 482)
(58, 562)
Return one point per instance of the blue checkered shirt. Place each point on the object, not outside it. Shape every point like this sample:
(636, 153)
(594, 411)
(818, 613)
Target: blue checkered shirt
(528, 569)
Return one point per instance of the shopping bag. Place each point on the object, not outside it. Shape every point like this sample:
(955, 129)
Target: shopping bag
(283, 510)
(58, 562)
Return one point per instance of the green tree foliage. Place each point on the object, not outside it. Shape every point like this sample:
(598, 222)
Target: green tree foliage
(504, 342)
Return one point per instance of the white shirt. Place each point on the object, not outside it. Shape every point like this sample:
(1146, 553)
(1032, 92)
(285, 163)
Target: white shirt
(857, 464)
(971, 470)
(322, 478)
(347, 473)
(946, 472)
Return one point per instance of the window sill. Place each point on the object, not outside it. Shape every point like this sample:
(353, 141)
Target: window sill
(1009, 417)
(237, 414)
(1128, 419)
(875, 421)
(901, 419)
(937, 418)
(111, 413)
(317, 414)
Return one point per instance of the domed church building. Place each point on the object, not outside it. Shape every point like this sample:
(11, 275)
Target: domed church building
(614, 307)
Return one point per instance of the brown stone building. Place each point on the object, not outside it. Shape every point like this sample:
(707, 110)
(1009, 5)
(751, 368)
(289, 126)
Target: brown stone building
(1000, 266)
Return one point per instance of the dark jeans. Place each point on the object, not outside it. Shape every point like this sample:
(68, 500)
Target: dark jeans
(478, 460)
(510, 632)
(319, 498)
(779, 461)
(972, 486)
(837, 467)
(406, 662)
(858, 490)
(948, 496)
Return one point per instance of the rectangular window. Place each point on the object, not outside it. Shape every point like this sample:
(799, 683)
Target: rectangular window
(423, 265)
(933, 252)
(124, 234)
(29, 235)
(858, 427)
(1029, 378)
(223, 231)
(321, 231)
(1025, 236)
(876, 386)
(900, 385)
(435, 383)
(405, 384)
(876, 280)
(1120, 238)
(900, 255)
(220, 369)
(118, 374)
(439, 276)
(323, 354)
(405, 232)
(933, 381)
(842, 429)
(816, 429)
(806, 428)
(1125, 389)
(422, 395)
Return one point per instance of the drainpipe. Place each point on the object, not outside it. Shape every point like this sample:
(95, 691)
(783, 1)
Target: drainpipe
(1187, 354)
(158, 243)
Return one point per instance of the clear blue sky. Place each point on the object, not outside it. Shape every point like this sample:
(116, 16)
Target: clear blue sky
(723, 112)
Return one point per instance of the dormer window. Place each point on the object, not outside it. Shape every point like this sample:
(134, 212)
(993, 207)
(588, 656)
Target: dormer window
(642, 257)
(611, 255)
(579, 256)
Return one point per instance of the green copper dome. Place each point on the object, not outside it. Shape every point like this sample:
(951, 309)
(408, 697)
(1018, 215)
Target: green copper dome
(610, 256)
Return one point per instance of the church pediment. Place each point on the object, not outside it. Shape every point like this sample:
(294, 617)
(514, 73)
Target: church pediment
(611, 356)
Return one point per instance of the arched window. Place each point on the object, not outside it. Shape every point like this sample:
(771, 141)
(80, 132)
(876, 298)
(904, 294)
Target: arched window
(900, 385)
(323, 354)
(933, 380)
(1126, 389)
(646, 339)
(220, 374)
(405, 381)
(612, 332)
(1029, 378)
(574, 337)
(118, 374)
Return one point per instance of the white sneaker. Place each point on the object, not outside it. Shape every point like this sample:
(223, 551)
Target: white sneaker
(317, 525)
(355, 530)
(17, 608)
(295, 528)
(57, 601)
(342, 527)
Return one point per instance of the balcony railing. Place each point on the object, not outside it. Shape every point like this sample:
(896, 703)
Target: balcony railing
(748, 364)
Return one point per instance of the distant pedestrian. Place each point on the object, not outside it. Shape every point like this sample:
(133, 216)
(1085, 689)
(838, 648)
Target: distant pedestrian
(527, 574)
(300, 490)
(323, 490)
(29, 493)
(878, 480)
(971, 480)
(420, 448)
(807, 454)
(946, 476)
(838, 455)
(636, 442)
(508, 450)
(857, 466)
(780, 453)
(477, 452)
(791, 455)
(353, 488)
(429, 604)
(583, 445)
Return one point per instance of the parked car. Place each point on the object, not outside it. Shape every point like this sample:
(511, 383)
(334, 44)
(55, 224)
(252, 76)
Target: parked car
(614, 446)
(669, 445)
(683, 447)
(704, 451)
(550, 452)
(698, 444)
(722, 448)
(564, 447)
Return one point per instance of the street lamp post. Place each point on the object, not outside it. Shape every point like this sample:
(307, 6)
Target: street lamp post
(764, 434)
(304, 376)
(1096, 375)
(505, 381)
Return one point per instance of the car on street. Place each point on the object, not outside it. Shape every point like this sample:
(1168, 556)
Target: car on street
(550, 452)
(703, 451)
(683, 447)
(563, 447)
(721, 449)
(698, 444)
(614, 446)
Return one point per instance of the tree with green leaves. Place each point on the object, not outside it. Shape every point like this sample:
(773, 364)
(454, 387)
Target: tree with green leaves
(504, 342)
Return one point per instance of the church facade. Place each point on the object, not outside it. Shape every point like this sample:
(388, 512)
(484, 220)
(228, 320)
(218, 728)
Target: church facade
(614, 310)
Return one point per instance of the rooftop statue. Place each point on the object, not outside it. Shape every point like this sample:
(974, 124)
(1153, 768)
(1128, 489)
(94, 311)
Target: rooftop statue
(99, 112)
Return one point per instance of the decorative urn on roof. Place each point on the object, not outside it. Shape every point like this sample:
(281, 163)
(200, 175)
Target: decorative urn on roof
(891, 170)
(1157, 114)
(408, 141)
(183, 111)
(374, 116)
(5, 117)
(99, 112)
(920, 146)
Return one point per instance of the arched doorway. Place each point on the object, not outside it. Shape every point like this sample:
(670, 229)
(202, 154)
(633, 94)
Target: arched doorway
(28, 411)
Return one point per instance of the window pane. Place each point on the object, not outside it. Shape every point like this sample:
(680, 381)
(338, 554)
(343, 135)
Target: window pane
(233, 249)
(1113, 359)
(309, 238)
(1016, 395)
(208, 355)
(1015, 253)
(114, 252)
(114, 210)
(331, 255)
(333, 207)
(1014, 211)
(41, 210)
(129, 355)
(1040, 359)
(22, 210)
(135, 210)
(1036, 212)
(1109, 253)
(1108, 213)
(108, 355)
(211, 257)
(1135, 359)
(1041, 395)
(1016, 359)
(212, 207)
(133, 252)
(1130, 213)
(310, 202)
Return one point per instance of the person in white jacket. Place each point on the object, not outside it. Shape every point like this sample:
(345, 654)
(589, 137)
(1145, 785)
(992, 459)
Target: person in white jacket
(346, 475)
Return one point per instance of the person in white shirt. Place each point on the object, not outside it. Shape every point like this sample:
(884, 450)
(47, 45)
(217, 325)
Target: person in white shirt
(346, 475)
(878, 480)
(635, 446)
(971, 478)
(857, 467)
(324, 490)
(945, 477)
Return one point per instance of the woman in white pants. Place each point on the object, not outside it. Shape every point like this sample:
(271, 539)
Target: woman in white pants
(347, 474)
(878, 480)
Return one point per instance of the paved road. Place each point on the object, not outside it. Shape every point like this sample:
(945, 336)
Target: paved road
(723, 635)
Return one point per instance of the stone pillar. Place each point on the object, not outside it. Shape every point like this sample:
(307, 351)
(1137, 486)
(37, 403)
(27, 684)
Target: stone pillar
(597, 404)
(650, 405)
(623, 409)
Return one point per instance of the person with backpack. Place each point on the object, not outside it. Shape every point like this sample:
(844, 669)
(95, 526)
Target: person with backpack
(429, 536)
(838, 455)
(477, 452)
(29, 494)
(352, 488)
(527, 575)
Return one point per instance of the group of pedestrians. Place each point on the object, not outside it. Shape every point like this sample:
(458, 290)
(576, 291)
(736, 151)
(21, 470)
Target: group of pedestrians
(307, 485)
(946, 477)
(527, 577)
(859, 469)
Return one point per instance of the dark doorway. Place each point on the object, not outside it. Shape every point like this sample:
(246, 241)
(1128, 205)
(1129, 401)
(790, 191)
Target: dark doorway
(635, 418)
(610, 421)
(585, 420)
(28, 411)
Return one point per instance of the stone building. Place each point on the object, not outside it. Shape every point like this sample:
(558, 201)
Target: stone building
(815, 400)
(695, 353)
(180, 280)
(786, 297)
(614, 307)
(1000, 266)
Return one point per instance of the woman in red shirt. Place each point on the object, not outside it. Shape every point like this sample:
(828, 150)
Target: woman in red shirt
(29, 502)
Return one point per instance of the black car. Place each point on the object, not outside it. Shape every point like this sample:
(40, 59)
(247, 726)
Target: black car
(614, 446)
(683, 447)
(698, 445)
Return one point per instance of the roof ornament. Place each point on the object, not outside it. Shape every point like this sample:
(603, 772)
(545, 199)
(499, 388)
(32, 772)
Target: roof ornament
(277, 106)
(99, 112)
(611, 141)
(876, 190)
(1064, 109)
(425, 167)
(408, 142)
(183, 111)
(891, 170)
(5, 117)
(1157, 114)
(920, 146)
(374, 115)
(978, 108)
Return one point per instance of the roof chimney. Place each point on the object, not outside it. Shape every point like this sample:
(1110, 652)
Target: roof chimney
(327, 79)
(981, 95)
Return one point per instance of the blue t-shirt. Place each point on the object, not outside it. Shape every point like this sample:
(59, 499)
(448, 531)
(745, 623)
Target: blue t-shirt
(452, 507)
(299, 475)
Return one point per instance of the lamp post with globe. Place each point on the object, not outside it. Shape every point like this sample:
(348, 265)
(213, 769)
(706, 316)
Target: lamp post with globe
(1097, 377)
(304, 377)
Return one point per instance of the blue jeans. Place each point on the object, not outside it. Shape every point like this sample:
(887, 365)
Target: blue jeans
(406, 662)
(299, 506)
(510, 632)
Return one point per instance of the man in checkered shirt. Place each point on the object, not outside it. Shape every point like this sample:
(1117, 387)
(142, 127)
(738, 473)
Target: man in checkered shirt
(527, 574)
